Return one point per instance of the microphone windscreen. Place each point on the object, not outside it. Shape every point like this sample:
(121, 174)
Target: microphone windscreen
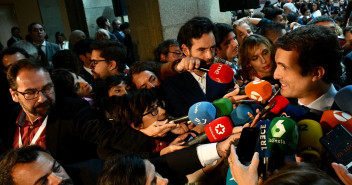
(294, 111)
(280, 103)
(219, 129)
(309, 145)
(223, 107)
(256, 106)
(283, 135)
(239, 115)
(331, 118)
(202, 113)
(258, 90)
(342, 99)
(221, 73)
(262, 146)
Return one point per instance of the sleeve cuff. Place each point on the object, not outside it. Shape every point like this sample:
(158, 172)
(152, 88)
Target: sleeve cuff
(207, 154)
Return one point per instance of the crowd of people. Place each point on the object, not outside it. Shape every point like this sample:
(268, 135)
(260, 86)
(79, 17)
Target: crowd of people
(83, 111)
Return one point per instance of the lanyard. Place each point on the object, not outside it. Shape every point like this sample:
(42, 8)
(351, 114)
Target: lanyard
(36, 136)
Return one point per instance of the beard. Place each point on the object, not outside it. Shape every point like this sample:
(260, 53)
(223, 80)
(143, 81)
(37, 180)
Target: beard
(39, 110)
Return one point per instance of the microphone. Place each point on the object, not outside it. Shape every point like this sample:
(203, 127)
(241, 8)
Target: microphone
(202, 113)
(221, 73)
(331, 118)
(309, 146)
(280, 103)
(262, 147)
(217, 130)
(295, 112)
(258, 90)
(223, 107)
(283, 135)
(179, 119)
(342, 97)
(239, 115)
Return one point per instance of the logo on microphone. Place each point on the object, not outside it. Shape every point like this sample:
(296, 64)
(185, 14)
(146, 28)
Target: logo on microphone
(199, 122)
(220, 129)
(342, 116)
(217, 71)
(255, 82)
(256, 96)
(278, 129)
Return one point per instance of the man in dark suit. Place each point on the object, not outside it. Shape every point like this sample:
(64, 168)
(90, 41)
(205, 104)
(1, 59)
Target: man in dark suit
(197, 41)
(16, 36)
(84, 51)
(66, 127)
(37, 32)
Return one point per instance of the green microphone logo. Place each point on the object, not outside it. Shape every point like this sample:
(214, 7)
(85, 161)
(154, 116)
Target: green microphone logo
(278, 129)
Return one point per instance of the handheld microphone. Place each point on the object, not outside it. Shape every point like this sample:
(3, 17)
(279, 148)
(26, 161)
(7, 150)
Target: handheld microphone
(258, 90)
(309, 146)
(217, 130)
(280, 103)
(262, 147)
(342, 97)
(283, 135)
(223, 107)
(239, 115)
(202, 113)
(179, 119)
(221, 73)
(296, 112)
(331, 118)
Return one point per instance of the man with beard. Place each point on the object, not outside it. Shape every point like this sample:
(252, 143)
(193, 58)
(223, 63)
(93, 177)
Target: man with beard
(197, 41)
(32, 165)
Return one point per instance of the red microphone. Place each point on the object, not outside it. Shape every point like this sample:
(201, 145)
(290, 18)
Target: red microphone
(258, 90)
(331, 118)
(221, 73)
(280, 104)
(215, 131)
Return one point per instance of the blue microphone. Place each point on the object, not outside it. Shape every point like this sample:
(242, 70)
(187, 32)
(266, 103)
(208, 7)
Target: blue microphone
(239, 116)
(202, 113)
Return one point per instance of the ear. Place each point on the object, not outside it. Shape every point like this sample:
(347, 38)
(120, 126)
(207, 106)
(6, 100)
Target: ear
(162, 57)
(112, 65)
(81, 57)
(217, 51)
(318, 73)
(14, 95)
(185, 50)
(136, 128)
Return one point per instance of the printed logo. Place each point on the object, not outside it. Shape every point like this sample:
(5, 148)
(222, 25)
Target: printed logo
(278, 129)
(256, 96)
(342, 116)
(220, 129)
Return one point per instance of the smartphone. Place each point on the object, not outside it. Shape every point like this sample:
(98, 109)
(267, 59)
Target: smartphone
(339, 144)
(247, 144)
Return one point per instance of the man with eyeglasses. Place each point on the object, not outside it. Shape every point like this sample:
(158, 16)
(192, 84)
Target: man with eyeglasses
(108, 59)
(168, 51)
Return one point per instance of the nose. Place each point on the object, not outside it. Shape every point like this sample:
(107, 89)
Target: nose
(91, 65)
(262, 59)
(161, 111)
(277, 74)
(209, 54)
(234, 43)
(150, 85)
(41, 97)
(54, 179)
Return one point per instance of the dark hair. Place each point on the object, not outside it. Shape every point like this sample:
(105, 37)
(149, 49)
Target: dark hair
(194, 29)
(14, 28)
(112, 50)
(11, 51)
(141, 66)
(322, 18)
(247, 49)
(163, 48)
(25, 154)
(300, 173)
(124, 25)
(347, 29)
(272, 31)
(222, 30)
(271, 13)
(17, 66)
(64, 83)
(66, 59)
(292, 17)
(101, 21)
(317, 3)
(31, 25)
(316, 46)
(83, 46)
(102, 86)
(129, 109)
(123, 170)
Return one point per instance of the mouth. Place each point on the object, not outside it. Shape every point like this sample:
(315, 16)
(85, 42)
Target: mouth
(266, 67)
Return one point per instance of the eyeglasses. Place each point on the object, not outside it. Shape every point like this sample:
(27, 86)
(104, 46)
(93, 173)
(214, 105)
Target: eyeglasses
(154, 109)
(49, 89)
(94, 62)
(177, 53)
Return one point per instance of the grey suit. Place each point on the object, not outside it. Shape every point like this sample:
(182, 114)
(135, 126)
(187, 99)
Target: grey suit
(51, 49)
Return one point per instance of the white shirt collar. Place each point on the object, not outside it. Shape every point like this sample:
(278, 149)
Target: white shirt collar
(88, 70)
(202, 81)
(324, 102)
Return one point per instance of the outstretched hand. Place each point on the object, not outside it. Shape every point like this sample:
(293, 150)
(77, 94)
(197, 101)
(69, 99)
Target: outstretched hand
(158, 128)
(342, 173)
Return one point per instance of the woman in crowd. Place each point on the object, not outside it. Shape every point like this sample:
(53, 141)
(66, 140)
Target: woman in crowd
(242, 30)
(316, 9)
(256, 58)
